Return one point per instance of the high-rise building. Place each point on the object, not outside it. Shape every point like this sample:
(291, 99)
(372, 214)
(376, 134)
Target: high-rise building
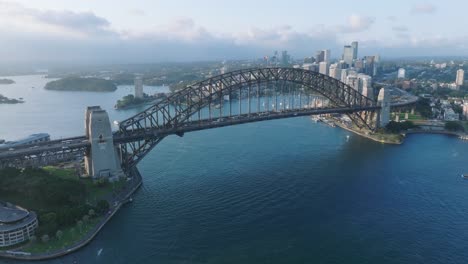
(348, 55)
(353, 81)
(354, 45)
(369, 67)
(138, 87)
(401, 73)
(285, 58)
(365, 85)
(344, 75)
(460, 77)
(323, 67)
(319, 56)
(335, 71)
(326, 55)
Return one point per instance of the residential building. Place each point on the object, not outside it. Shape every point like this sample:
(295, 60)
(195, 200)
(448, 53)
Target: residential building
(460, 77)
(138, 87)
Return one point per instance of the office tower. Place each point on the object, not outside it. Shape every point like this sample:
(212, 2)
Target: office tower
(369, 67)
(285, 58)
(335, 71)
(319, 56)
(326, 56)
(353, 81)
(354, 46)
(323, 68)
(348, 55)
(365, 85)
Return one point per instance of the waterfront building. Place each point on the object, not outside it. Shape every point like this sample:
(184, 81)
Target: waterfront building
(17, 225)
(401, 73)
(348, 55)
(460, 77)
(323, 68)
(354, 46)
(138, 87)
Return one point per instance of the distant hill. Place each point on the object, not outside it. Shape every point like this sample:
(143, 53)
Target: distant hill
(6, 81)
(81, 84)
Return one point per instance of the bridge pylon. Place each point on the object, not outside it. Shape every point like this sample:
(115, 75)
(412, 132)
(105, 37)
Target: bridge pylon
(101, 159)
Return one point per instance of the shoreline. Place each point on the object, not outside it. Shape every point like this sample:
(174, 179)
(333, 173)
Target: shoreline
(19, 255)
(367, 136)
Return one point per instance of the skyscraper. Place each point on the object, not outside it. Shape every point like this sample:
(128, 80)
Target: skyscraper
(323, 67)
(326, 55)
(319, 56)
(285, 58)
(354, 45)
(460, 77)
(369, 67)
(348, 55)
(138, 87)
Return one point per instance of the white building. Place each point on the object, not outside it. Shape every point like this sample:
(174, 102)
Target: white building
(353, 81)
(365, 85)
(335, 71)
(326, 55)
(323, 68)
(401, 73)
(460, 77)
(348, 55)
(344, 75)
(17, 225)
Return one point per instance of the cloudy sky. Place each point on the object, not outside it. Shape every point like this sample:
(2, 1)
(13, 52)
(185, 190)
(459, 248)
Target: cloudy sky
(110, 31)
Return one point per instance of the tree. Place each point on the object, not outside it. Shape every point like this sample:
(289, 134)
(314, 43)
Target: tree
(91, 213)
(85, 218)
(80, 225)
(453, 126)
(102, 206)
(45, 238)
(59, 234)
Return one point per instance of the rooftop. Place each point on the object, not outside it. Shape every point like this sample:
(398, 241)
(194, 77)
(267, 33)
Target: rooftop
(11, 214)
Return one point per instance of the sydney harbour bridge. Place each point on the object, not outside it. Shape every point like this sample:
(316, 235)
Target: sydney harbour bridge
(237, 97)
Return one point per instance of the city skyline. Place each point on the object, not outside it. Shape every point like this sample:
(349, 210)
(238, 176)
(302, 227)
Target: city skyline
(146, 31)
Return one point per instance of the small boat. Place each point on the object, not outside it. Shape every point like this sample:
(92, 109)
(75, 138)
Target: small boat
(131, 199)
(99, 252)
(464, 176)
(116, 122)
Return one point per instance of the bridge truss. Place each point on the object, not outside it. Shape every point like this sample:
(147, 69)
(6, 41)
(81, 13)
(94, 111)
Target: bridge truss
(241, 96)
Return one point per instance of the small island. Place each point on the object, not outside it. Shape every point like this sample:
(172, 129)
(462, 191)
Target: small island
(81, 84)
(6, 100)
(6, 81)
(132, 101)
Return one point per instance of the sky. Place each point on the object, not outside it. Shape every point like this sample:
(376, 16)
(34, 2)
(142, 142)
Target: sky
(146, 31)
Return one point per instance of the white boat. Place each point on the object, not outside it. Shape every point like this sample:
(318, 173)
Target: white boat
(99, 252)
(464, 176)
(116, 122)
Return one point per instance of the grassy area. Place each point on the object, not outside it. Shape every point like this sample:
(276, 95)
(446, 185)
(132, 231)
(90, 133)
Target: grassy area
(71, 235)
(94, 192)
(388, 138)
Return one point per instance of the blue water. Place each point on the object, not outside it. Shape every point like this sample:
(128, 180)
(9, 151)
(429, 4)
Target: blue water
(288, 191)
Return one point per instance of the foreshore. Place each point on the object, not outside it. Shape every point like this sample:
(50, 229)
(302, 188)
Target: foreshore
(132, 186)
(371, 137)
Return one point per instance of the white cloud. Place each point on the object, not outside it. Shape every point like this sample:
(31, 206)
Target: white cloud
(423, 8)
(357, 23)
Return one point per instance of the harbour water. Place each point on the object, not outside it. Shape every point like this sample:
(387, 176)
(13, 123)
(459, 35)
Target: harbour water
(283, 191)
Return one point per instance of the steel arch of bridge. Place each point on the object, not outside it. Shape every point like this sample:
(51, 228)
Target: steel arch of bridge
(143, 131)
